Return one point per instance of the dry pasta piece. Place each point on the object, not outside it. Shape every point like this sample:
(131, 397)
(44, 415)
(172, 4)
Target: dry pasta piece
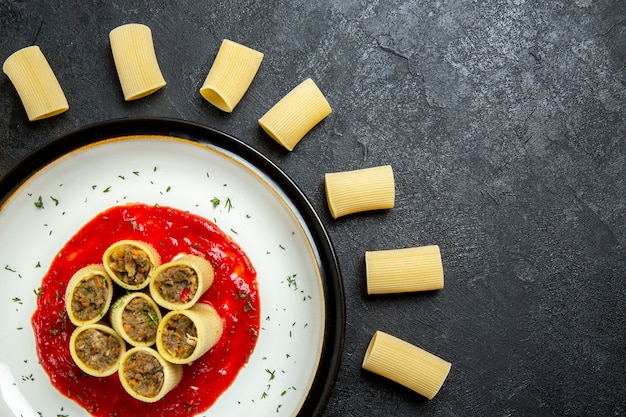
(230, 76)
(360, 190)
(146, 376)
(135, 60)
(406, 364)
(296, 114)
(404, 270)
(36, 84)
(185, 335)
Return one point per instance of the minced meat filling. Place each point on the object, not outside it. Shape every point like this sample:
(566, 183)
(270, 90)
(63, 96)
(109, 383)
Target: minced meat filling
(130, 264)
(144, 374)
(180, 336)
(90, 297)
(178, 283)
(99, 350)
(140, 320)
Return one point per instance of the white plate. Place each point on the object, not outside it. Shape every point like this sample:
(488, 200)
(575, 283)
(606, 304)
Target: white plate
(177, 164)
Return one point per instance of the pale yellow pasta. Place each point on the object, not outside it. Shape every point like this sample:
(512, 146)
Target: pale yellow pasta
(130, 263)
(139, 379)
(36, 84)
(406, 364)
(360, 190)
(135, 60)
(404, 270)
(96, 349)
(207, 328)
(231, 74)
(136, 326)
(179, 284)
(295, 114)
(88, 295)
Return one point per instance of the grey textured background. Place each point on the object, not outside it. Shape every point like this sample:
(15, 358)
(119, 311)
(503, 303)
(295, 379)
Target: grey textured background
(505, 124)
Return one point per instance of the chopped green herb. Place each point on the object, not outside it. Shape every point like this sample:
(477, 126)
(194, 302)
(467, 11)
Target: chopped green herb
(229, 204)
(215, 202)
(17, 300)
(56, 202)
(39, 203)
(106, 190)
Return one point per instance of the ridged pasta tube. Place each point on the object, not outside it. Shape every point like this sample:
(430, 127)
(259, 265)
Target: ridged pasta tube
(185, 335)
(146, 376)
(88, 295)
(179, 284)
(406, 364)
(35, 82)
(295, 114)
(96, 349)
(404, 270)
(365, 189)
(135, 60)
(130, 263)
(136, 317)
(230, 75)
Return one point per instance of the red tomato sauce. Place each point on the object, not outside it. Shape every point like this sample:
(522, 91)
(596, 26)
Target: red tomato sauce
(234, 294)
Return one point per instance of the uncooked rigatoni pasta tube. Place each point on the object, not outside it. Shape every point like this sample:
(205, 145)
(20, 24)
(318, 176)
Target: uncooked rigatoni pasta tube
(406, 364)
(36, 84)
(404, 270)
(360, 190)
(230, 75)
(135, 60)
(295, 114)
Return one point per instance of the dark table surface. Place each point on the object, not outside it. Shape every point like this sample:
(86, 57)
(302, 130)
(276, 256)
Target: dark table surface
(505, 124)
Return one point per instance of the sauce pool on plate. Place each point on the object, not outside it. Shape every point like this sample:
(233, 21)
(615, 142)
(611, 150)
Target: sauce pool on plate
(233, 294)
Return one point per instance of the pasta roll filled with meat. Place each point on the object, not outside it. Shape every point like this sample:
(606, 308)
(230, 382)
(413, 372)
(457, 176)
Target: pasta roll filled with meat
(35, 82)
(177, 285)
(406, 364)
(404, 270)
(88, 295)
(230, 76)
(360, 190)
(130, 263)
(185, 335)
(135, 60)
(295, 114)
(146, 376)
(96, 349)
(135, 317)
